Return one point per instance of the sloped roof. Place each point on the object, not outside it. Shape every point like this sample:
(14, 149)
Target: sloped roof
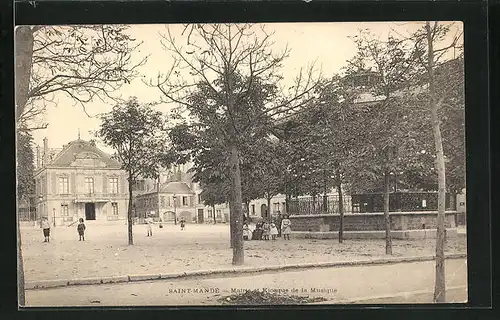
(176, 187)
(67, 155)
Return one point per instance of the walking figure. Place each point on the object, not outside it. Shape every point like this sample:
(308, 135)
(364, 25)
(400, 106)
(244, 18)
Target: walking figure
(45, 225)
(183, 224)
(286, 228)
(81, 230)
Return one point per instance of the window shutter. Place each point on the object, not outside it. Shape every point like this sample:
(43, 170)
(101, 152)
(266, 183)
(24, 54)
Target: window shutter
(72, 183)
(54, 183)
(104, 183)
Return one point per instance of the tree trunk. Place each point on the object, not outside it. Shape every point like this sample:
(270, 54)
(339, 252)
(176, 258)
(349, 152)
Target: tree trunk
(232, 226)
(440, 287)
(325, 197)
(24, 55)
(387, 217)
(268, 206)
(213, 210)
(130, 211)
(341, 208)
(158, 195)
(247, 206)
(237, 214)
(287, 203)
(20, 268)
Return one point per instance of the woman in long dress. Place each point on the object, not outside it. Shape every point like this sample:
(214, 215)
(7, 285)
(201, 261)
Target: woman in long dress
(286, 228)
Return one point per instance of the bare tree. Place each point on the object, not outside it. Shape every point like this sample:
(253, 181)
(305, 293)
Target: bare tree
(83, 62)
(443, 81)
(235, 65)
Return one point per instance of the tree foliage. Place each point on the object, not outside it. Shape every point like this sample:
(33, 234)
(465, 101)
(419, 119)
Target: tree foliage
(234, 94)
(137, 133)
(25, 165)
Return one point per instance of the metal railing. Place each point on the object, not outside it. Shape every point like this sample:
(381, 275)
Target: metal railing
(368, 203)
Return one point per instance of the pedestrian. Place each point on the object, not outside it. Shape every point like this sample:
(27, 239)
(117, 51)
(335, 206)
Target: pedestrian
(246, 232)
(266, 227)
(183, 224)
(45, 225)
(149, 223)
(274, 230)
(81, 230)
(286, 228)
(278, 223)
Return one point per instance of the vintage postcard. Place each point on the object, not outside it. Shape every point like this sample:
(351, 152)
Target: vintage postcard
(241, 164)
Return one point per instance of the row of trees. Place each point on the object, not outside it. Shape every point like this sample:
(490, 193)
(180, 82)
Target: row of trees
(247, 135)
(326, 136)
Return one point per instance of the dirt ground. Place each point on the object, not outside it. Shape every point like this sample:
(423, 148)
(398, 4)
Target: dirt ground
(105, 251)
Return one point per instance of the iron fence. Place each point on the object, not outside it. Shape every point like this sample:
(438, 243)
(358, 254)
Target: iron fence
(366, 203)
(318, 205)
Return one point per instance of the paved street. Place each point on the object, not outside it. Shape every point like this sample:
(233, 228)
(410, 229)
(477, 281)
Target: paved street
(106, 253)
(335, 284)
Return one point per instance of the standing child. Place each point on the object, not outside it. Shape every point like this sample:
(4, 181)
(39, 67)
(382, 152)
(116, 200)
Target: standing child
(45, 225)
(149, 227)
(246, 231)
(286, 228)
(266, 227)
(274, 230)
(81, 230)
(183, 224)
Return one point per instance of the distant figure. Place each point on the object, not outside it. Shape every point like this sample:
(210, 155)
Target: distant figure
(149, 223)
(45, 225)
(286, 228)
(183, 224)
(246, 232)
(266, 227)
(81, 230)
(274, 231)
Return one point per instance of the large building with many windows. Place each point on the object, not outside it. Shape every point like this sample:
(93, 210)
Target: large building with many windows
(79, 181)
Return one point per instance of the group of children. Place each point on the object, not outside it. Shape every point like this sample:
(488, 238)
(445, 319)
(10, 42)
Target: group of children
(45, 225)
(265, 229)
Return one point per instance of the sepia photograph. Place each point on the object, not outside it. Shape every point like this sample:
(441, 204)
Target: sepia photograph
(235, 164)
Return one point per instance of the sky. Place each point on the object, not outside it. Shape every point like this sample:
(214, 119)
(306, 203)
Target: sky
(327, 43)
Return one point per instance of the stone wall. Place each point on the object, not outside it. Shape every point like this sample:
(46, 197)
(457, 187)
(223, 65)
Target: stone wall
(370, 221)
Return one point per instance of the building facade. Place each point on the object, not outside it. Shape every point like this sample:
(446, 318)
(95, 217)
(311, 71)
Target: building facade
(178, 197)
(79, 181)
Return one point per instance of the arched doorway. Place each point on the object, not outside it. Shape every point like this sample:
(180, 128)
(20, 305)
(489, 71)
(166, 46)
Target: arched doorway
(263, 211)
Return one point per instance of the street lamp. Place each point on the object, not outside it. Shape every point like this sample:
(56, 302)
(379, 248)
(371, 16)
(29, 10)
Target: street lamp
(54, 216)
(175, 210)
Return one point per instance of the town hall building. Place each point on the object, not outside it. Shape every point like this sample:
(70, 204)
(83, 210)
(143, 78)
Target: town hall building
(79, 181)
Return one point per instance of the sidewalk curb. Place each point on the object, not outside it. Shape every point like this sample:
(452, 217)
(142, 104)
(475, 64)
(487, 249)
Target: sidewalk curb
(45, 284)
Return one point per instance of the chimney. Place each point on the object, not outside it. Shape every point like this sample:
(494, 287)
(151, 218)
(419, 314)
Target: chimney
(38, 157)
(45, 151)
